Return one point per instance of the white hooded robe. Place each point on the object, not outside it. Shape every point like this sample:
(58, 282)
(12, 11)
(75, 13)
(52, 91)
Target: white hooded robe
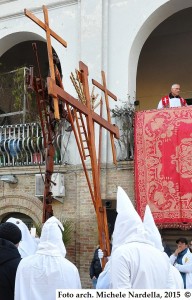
(39, 275)
(135, 262)
(175, 280)
(27, 245)
(104, 280)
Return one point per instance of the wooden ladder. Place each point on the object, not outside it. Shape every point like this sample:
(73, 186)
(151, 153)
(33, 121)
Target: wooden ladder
(82, 133)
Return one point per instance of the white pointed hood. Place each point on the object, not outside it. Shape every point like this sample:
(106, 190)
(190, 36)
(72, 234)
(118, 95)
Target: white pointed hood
(128, 225)
(27, 245)
(152, 229)
(175, 280)
(51, 242)
(39, 275)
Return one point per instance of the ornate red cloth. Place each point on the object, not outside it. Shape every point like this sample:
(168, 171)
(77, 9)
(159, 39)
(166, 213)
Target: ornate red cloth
(163, 165)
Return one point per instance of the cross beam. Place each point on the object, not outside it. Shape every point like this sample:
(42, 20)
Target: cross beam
(55, 91)
(104, 86)
(45, 26)
(49, 32)
(107, 93)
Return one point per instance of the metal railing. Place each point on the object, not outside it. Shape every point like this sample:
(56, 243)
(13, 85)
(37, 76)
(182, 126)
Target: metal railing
(22, 145)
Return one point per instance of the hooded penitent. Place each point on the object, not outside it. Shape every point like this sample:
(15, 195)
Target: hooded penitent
(39, 275)
(135, 262)
(128, 225)
(51, 241)
(175, 280)
(128, 228)
(27, 245)
(152, 229)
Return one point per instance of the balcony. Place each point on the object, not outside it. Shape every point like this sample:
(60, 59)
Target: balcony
(22, 145)
(21, 140)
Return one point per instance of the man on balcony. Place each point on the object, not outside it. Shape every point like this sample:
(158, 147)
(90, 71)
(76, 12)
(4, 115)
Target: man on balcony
(173, 99)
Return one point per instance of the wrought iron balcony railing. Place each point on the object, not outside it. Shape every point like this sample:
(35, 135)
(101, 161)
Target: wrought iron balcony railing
(22, 145)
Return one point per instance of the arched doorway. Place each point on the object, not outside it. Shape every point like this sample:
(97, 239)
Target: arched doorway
(165, 59)
(14, 56)
(22, 54)
(14, 66)
(143, 31)
(26, 219)
(26, 206)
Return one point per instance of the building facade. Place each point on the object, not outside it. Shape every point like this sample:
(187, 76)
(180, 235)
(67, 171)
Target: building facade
(143, 47)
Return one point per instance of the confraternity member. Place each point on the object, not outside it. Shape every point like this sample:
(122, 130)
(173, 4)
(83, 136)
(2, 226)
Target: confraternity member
(27, 246)
(135, 262)
(175, 280)
(41, 274)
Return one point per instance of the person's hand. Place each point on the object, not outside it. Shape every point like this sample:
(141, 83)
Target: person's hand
(177, 251)
(100, 254)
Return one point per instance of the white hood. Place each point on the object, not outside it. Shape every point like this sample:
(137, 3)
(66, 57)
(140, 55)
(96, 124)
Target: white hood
(128, 225)
(151, 228)
(51, 242)
(27, 245)
(39, 275)
(174, 280)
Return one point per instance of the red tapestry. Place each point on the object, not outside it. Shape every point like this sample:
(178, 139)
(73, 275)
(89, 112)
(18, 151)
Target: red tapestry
(163, 165)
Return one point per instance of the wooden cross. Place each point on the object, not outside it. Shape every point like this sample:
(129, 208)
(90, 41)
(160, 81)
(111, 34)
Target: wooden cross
(107, 93)
(91, 118)
(49, 33)
(47, 198)
(55, 91)
(81, 111)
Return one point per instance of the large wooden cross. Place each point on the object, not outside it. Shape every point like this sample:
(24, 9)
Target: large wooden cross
(49, 33)
(91, 118)
(84, 117)
(48, 136)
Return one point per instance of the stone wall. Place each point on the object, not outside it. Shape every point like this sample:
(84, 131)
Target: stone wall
(77, 205)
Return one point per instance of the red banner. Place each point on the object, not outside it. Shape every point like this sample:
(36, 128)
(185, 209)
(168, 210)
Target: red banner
(163, 165)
